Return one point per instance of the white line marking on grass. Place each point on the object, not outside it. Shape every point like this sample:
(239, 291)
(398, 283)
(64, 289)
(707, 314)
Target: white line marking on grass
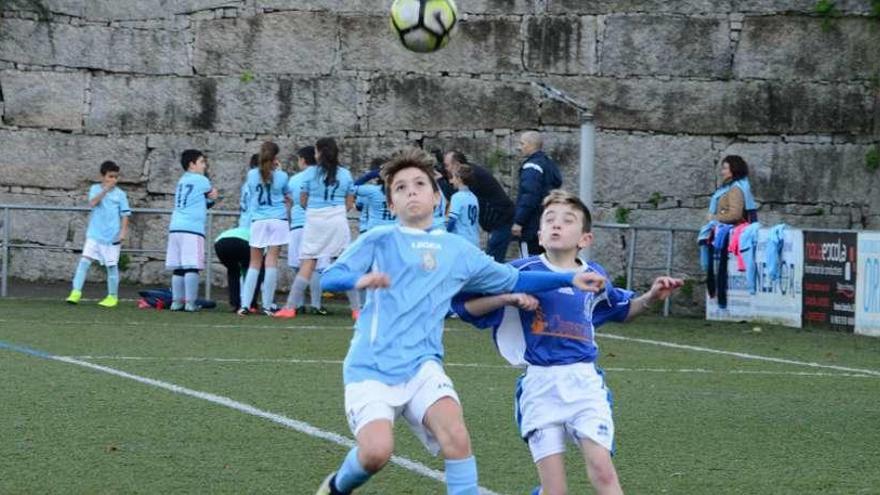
(467, 365)
(742, 355)
(293, 424)
(182, 323)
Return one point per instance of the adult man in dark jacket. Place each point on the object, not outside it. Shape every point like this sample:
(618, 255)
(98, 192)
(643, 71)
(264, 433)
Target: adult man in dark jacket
(538, 175)
(496, 207)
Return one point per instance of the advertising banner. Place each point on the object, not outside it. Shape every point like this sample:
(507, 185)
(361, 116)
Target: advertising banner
(776, 294)
(868, 285)
(830, 268)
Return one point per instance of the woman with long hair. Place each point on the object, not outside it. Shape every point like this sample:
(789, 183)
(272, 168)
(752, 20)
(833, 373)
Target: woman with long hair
(733, 202)
(327, 193)
(267, 190)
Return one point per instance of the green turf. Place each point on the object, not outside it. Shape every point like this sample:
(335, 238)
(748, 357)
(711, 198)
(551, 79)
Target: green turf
(687, 421)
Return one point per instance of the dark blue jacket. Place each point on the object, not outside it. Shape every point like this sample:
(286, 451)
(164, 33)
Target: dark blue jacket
(496, 207)
(538, 175)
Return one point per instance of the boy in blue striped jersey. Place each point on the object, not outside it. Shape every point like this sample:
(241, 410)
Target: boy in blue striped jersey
(562, 393)
(185, 255)
(394, 364)
(108, 227)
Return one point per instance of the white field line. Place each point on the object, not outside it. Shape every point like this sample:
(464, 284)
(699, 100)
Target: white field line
(294, 424)
(198, 359)
(741, 355)
(660, 343)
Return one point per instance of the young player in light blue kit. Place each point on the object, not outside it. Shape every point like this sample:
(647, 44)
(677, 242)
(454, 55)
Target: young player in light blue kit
(464, 209)
(327, 194)
(562, 393)
(185, 255)
(305, 159)
(370, 199)
(268, 193)
(394, 364)
(108, 227)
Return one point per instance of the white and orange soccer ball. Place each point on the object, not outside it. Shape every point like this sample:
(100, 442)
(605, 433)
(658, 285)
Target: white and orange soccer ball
(424, 25)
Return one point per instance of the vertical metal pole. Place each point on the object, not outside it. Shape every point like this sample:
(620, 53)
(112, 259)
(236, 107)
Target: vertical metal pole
(209, 249)
(7, 226)
(631, 257)
(587, 164)
(670, 247)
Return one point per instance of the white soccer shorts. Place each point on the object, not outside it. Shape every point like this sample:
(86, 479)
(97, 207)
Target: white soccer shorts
(105, 254)
(269, 232)
(293, 260)
(371, 400)
(564, 401)
(185, 251)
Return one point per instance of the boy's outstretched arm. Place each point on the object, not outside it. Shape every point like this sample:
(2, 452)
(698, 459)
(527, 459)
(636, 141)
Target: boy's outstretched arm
(532, 282)
(662, 288)
(484, 305)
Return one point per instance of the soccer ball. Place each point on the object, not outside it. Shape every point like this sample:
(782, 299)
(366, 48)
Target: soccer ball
(423, 25)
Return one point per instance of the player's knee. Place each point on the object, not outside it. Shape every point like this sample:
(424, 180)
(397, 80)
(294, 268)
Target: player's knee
(375, 455)
(603, 473)
(455, 442)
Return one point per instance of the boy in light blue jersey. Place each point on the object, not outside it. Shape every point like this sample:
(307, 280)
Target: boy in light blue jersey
(108, 227)
(185, 255)
(464, 209)
(245, 211)
(562, 393)
(370, 199)
(394, 364)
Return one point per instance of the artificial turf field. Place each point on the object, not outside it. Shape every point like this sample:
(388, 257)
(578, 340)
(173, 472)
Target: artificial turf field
(127, 400)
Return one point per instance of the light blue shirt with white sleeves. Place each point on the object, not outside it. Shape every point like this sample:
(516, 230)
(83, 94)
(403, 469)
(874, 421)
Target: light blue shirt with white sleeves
(105, 221)
(190, 204)
(323, 195)
(267, 198)
(401, 327)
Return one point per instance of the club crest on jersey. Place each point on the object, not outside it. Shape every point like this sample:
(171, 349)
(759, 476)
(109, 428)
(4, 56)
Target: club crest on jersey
(429, 261)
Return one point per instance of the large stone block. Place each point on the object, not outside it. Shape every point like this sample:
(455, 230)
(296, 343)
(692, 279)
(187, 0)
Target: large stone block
(700, 6)
(277, 43)
(479, 45)
(43, 99)
(65, 161)
(116, 10)
(636, 6)
(422, 103)
(47, 227)
(717, 107)
(561, 44)
(639, 168)
(666, 45)
(369, 7)
(143, 104)
(788, 47)
(807, 173)
(288, 105)
(155, 51)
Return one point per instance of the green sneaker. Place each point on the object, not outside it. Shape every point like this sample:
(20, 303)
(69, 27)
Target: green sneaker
(74, 297)
(109, 302)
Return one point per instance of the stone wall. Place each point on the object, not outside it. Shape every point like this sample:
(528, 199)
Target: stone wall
(674, 87)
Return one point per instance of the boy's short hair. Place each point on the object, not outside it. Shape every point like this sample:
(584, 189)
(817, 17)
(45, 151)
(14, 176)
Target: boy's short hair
(109, 166)
(189, 156)
(466, 174)
(307, 153)
(563, 197)
(408, 157)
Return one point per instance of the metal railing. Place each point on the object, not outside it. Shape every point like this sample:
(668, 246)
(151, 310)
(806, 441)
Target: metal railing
(7, 245)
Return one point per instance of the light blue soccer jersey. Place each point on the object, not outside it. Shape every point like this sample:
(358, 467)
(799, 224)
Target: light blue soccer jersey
(190, 204)
(325, 195)
(105, 221)
(464, 211)
(297, 212)
(440, 214)
(244, 208)
(372, 196)
(267, 198)
(562, 330)
(401, 327)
